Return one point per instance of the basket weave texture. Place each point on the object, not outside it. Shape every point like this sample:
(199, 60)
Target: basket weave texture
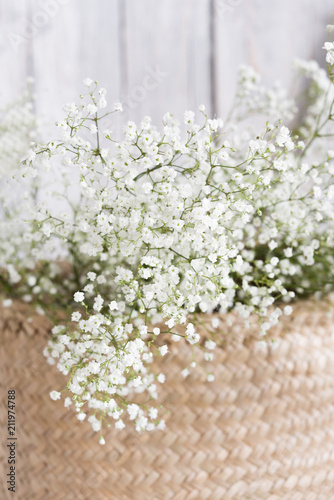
(264, 429)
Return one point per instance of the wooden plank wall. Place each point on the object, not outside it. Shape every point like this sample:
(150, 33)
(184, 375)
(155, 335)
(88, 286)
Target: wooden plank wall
(154, 55)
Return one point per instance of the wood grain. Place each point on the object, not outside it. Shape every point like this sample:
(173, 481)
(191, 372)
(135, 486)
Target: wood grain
(197, 45)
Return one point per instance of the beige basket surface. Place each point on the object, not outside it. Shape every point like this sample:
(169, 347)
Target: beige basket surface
(264, 429)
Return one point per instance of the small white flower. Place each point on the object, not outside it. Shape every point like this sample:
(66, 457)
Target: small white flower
(118, 106)
(133, 411)
(92, 109)
(101, 279)
(76, 316)
(161, 425)
(113, 305)
(89, 288)
(96, 426)
(79, 297)
(119, 424)
(94, 367)
(163, 350)
(191, 336)
(210, 344)
(87, 82)
(287, 310)
(274, 261)
(67, 402)
(215, 323)
(153, 413)
(288, 252)
(170, 323)
(55, 395)
(98, 303)
(177, 224)
(142, 330)
(32, 280)
(64, 339)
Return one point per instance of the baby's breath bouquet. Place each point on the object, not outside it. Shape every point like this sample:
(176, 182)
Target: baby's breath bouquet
(162, 224)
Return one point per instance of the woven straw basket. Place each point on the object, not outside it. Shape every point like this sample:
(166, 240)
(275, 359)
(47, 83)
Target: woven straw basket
(264, 429)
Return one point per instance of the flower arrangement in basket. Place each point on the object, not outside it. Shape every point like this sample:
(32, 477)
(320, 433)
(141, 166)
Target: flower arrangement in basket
(163, 225)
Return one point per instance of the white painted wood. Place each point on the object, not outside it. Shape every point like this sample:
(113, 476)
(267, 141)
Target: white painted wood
(15, 50)
(122, 43)
(172, 35)
(80, 41)
(268, 36)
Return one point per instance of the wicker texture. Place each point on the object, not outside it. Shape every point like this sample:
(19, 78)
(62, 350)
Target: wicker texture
(264, 429)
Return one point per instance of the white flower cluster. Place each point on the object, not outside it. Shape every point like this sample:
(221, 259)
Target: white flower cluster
(329, 47)
(17, 129)
(169, 224)
(21, 247)
(254, 98)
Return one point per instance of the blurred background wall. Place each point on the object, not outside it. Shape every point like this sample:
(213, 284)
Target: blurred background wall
(154, 55)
